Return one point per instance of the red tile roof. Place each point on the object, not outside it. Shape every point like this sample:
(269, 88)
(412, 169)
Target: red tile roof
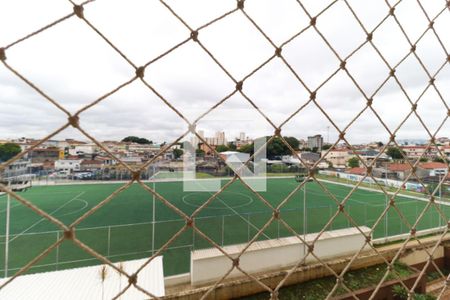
(399, 167)
(433, 165)
(357, 171)
(91, 162)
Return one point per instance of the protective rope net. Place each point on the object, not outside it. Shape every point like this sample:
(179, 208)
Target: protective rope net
(75, 120)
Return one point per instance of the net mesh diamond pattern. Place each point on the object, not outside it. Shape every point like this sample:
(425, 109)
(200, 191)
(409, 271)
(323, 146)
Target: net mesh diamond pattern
(75, 120)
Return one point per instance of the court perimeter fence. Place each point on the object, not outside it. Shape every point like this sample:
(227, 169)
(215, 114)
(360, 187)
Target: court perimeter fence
(133, 241)
(417, 28)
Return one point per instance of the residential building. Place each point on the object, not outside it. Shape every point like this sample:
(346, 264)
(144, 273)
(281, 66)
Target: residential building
(207, 149)
(132, 160)
(41, 155)
(434, 168)
(369, 155)
(417, 151)
(91, 165)
(400, 170)
(83, 149)
(68, 165)
(357, 171)
(338, 157)
(17, 168)
(315, 141)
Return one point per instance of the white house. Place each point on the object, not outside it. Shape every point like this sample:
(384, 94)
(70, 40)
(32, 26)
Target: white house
(234, 156)
(68, 165)
(83, 149)
(434, 168)
(17, 168)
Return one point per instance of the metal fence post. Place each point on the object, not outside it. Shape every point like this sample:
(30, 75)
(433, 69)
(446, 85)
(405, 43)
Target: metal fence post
(8, 211)
(109, 241)
(278, 229)
(248, 227)
(57, 251)
(223, 228)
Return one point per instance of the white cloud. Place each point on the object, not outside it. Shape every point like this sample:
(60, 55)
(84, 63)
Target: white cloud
(73, 65)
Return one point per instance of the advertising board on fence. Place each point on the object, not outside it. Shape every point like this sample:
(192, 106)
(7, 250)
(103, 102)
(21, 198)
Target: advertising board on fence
(416, 187)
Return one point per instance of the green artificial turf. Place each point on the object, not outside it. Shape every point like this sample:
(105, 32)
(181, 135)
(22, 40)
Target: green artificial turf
(122, 229)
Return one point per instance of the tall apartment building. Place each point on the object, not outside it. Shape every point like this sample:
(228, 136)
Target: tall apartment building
(195, 140)
(315, 141)
(242, 136)
(218, 139)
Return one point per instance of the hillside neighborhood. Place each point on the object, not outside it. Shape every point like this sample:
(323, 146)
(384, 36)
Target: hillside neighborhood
(81, 160)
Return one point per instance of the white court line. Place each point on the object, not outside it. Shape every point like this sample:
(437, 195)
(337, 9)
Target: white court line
(19, 204)
(214, 207)
(3, 210)
(247, 221)
(86, 204)
(389, 193)
(74, 198)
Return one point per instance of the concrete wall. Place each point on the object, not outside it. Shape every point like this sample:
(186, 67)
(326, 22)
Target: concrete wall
(209, 265)
(245, 286)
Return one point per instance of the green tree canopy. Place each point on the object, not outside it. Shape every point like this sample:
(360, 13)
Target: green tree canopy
(231, 146)
(353, 162)
(292, 141)
(440, 159)
(135, 139)
(8, 151)
(247, 149)
(199, 152)
(276, 147)
(177, 153)
(222, 148)
(395, 153)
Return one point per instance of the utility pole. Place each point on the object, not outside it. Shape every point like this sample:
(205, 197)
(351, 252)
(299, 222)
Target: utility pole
(8, 207)
(328, 134)
(153, 213)
(387, 212)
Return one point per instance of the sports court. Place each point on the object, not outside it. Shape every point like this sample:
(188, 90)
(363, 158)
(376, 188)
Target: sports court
(124, 229)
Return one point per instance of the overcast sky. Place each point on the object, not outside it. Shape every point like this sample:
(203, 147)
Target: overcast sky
(73, 65)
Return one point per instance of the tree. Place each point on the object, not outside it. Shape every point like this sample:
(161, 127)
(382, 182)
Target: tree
(353, 162)
(326, 146)
(292, 141)
(177, 153)
(395, 153)
(232, 146)
(440, 160)
(276, 147)
(380, 144)
(8, 151)
(135, 139)
(222, 148)
(199, 152)
(247, 148)
(423, 159)
(315, 149)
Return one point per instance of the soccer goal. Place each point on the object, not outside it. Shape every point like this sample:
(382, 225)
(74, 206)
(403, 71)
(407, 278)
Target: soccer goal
(301, 176)
(17, 185)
